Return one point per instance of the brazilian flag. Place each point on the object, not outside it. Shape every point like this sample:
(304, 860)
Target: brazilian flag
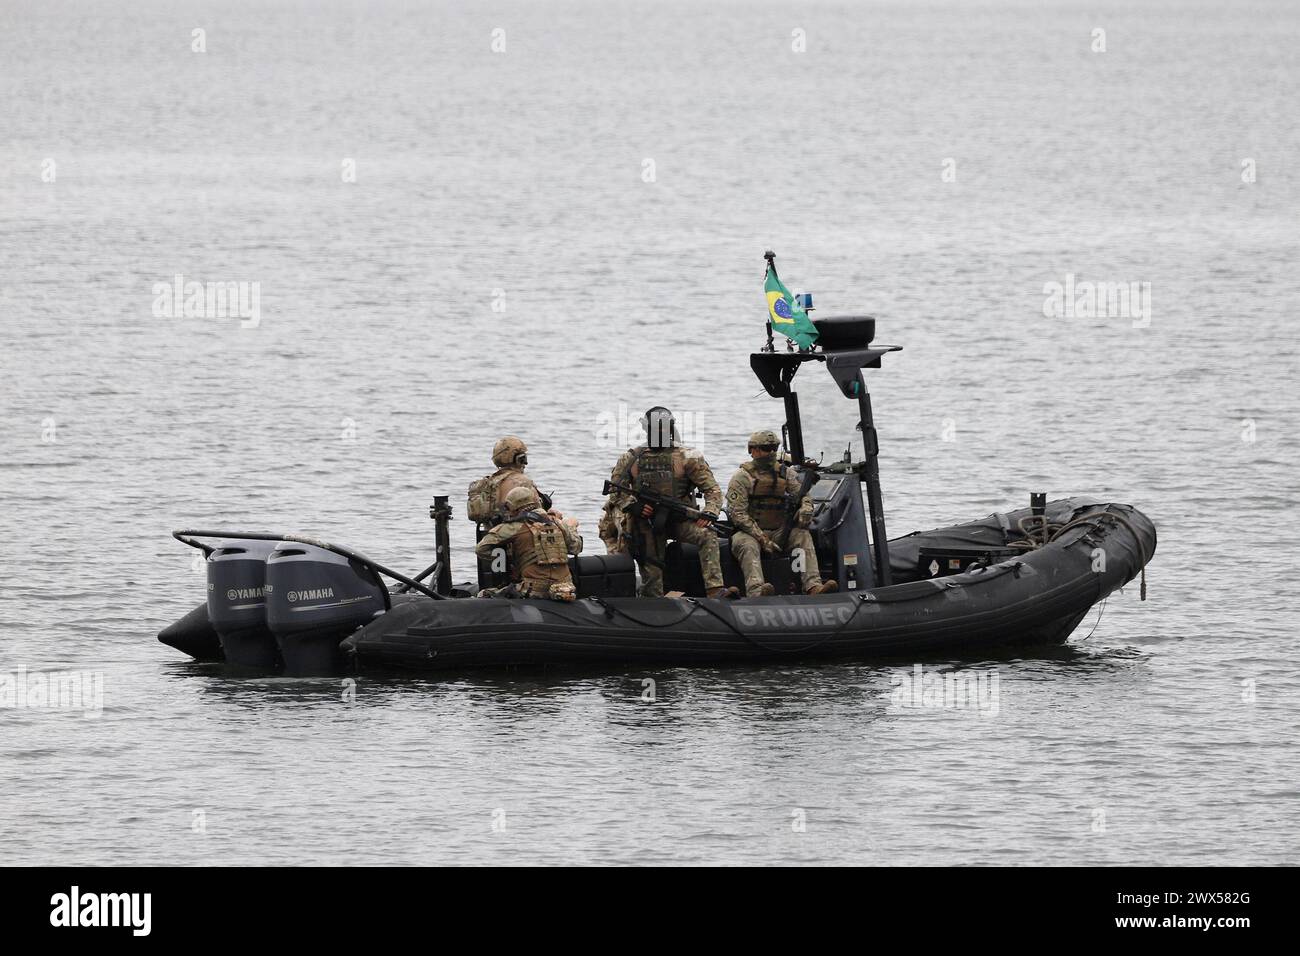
(787, 316)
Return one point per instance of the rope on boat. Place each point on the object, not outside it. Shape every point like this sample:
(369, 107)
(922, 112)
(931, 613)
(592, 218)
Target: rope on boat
(1096, 624)
(1039, 532)
(611, 611)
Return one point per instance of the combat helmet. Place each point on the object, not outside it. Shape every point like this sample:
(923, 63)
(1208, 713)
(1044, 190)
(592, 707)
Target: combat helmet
(764, 438)
(660, 428)
(520, 499)
(509, 451)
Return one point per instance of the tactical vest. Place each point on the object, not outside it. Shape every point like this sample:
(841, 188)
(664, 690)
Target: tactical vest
(768, 498)
(663, 472)
(485, 495)
(538, 554)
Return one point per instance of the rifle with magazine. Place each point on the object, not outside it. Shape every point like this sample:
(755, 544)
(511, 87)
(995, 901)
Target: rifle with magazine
(807, 480)
(666, 508)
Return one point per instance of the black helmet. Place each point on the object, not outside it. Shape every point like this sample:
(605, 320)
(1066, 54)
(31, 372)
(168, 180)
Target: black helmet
(660, 427)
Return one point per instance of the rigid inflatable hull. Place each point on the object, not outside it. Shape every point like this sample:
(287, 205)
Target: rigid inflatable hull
(1036, 598)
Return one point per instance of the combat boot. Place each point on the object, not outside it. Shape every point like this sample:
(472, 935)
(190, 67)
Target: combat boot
(826, 587)
(730, 594)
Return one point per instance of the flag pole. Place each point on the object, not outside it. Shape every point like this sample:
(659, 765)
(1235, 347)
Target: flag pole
(770, 256)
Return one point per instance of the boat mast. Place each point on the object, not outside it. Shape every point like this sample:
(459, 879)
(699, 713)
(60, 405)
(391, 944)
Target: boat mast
(847, 368)
(846, 350)
(871, 478)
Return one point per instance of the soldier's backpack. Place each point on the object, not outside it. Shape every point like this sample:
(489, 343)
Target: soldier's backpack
(483, 498)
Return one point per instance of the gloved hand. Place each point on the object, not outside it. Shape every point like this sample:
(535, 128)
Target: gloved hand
(767, 544)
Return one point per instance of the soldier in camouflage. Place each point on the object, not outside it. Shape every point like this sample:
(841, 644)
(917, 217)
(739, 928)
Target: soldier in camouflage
(487, 495)
(758, 498)
(664, 467)
(537, 545)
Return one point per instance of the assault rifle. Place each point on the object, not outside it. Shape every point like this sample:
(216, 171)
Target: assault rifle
(665, 507)
(808, 479)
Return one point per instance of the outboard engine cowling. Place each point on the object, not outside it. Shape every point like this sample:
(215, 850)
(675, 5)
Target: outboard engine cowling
(237, 603)
(315, 598)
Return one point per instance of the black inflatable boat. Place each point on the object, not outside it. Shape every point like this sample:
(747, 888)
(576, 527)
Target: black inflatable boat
(997, 598)
(283, 602)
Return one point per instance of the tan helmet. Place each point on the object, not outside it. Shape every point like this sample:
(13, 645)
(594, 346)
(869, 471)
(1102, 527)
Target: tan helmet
(509, 451)
(520, 499)
(763, 437)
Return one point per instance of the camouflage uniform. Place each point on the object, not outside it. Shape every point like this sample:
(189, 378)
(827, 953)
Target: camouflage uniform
(757, 499)
(612, 528)
(537, 547)
(487, 496)
(675, 473)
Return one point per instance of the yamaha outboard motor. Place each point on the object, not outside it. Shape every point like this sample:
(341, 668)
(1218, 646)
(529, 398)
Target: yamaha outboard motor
(314, 599)
(237, 603)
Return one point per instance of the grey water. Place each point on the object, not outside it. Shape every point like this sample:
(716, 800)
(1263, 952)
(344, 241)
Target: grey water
(541, 218)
